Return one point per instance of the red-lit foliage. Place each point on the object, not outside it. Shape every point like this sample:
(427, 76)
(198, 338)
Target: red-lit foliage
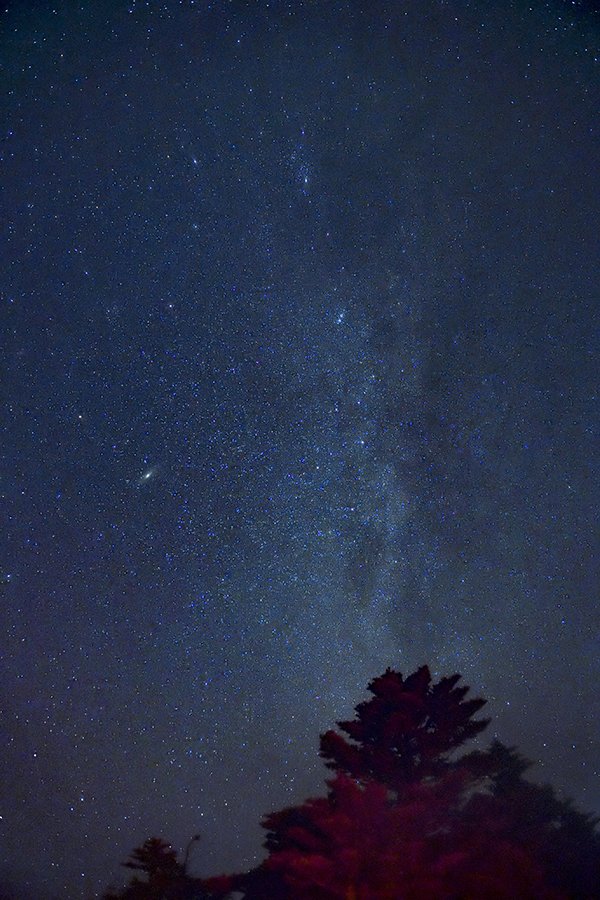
(406, 818)
(359, 842)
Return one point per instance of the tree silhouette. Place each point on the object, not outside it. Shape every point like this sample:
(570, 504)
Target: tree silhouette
(407, 817)
(401, 818)
(562, 837)
(359, 842)
(155, 857)
(166, 876)
(407, 731)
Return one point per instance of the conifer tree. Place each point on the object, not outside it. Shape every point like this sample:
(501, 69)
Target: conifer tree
(359, 843)
(166, 878)
(407, 817)
(563, 838)
(156, 858)
(406, 731)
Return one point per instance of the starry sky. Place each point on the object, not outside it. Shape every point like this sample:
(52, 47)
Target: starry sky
(298, 380)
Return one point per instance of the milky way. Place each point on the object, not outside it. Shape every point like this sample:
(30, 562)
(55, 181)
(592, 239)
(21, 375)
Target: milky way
(299, 381)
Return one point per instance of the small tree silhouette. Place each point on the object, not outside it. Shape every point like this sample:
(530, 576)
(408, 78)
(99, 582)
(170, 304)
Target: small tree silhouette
(156, 857)
(166, 876)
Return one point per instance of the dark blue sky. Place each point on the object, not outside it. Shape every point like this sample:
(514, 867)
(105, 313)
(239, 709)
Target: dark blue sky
(299, 380)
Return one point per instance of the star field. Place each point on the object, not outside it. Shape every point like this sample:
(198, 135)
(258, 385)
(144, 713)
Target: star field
(299, 381)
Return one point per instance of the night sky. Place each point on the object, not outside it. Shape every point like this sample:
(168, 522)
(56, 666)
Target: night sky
(299, 380)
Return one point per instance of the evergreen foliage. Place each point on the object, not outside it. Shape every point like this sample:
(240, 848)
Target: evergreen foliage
(408, 730)
(166, 878)
(407, 818)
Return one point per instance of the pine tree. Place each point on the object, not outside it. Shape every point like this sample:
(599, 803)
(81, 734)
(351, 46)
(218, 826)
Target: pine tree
(360, 842)
(407, 731)
(564, 839)
(394, 823)
(156, 858)
(166, 878)
(407, 817)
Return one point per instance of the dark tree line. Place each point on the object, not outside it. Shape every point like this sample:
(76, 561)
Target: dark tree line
(405, 817)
